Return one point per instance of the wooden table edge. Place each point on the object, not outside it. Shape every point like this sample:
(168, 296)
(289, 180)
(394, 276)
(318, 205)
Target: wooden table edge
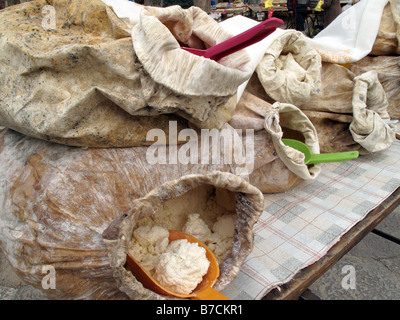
(307, 276)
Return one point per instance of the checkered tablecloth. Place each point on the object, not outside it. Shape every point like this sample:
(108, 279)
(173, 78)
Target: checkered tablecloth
(298, 227)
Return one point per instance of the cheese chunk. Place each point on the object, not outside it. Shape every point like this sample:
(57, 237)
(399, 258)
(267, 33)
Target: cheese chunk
(182, 266)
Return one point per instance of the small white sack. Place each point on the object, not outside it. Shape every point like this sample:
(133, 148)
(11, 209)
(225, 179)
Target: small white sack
(294, 119)
(351, 36)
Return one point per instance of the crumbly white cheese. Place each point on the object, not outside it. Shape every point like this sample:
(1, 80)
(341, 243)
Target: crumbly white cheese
(147, 244)
(196, 227)
(178, 266)
(182, 267)
(225, 226)
(219, 239)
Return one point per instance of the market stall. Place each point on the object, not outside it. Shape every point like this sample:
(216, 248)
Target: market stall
(225, 10)
(106, 119)
(314, 21)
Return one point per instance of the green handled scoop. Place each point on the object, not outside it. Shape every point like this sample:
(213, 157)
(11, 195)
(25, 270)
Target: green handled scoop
(311, 158)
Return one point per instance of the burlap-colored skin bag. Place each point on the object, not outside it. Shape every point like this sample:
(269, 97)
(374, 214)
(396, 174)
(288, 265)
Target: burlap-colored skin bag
(56, 202)
(94, 80)
(388, 69)
(350, 112)
(277, 168)
(248, 205)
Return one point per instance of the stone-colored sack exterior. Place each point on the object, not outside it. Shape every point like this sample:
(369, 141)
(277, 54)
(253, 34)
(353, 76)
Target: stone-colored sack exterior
(56, 202)
(94, 80)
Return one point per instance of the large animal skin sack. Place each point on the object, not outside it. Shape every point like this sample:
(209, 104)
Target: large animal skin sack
(387, 41)
(57, 202)
(72, 72)
(388, 69)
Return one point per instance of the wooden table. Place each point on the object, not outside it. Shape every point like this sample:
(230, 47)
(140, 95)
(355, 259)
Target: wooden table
(294, 288)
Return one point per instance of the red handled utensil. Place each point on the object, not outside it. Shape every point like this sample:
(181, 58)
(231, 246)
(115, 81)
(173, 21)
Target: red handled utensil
(238, 42)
